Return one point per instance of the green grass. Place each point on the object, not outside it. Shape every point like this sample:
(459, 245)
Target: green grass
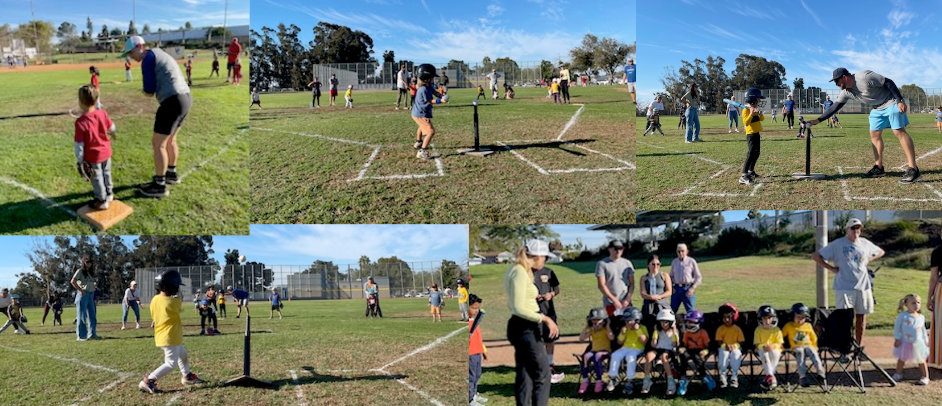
(320, 336)
(300, 179)
(212, 199)
(747, 281)
(675, 175)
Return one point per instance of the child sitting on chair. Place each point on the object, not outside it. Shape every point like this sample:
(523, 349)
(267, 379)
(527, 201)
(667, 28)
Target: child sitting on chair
(696, 340)
(769, 342)
(730, 338)
(632, 337)
(803, 341)
(665, 339)
(600, 335)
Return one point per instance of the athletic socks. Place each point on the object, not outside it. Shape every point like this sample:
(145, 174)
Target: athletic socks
(172, 169)
(160, 180)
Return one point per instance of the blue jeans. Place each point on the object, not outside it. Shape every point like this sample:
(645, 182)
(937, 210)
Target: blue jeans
(137, 312)
(733, 119)
(474, 375)
(680, 296)
(85, 305)
(693, 125)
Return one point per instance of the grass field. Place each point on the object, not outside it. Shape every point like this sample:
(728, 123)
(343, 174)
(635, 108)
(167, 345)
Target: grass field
(747, 281)
(675, 175)
(336, 356)
(40, 189)
(358, 166)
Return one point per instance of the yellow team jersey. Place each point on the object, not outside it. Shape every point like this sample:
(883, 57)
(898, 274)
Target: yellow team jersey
(600, 341)
(800, 335)
(168, 328)
(554, 87)
(768, 336)
(752, 128)
(220, 298)
(348, 94)
(462, 295)
(632, 338)
(731, 336)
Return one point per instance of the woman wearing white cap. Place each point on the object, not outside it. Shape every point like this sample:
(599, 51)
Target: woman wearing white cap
(532, 385)
(132, 299)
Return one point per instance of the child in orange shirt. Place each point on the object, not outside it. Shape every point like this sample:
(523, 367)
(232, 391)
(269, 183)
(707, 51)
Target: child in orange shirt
(695, 343)
(476, 350)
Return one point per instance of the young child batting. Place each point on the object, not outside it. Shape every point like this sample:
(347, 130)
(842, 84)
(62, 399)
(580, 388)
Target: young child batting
(426, 96)
(752, 120)
(165, 310)
(93, 147)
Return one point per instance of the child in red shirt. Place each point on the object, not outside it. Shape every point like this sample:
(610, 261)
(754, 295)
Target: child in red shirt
(476, 350)
(237, 72)
(94, 72)
(93, 147)
(412, 90)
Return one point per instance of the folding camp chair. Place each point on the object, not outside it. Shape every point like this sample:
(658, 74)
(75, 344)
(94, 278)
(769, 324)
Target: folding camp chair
(592, 378)
(837, 344)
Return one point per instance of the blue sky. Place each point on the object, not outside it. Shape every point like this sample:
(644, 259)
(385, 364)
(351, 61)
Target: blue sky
(436, 31)
(899, 38)
(166, 14)
(300, 245)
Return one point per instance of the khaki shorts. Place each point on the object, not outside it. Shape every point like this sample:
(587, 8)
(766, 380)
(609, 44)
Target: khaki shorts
(631, 87)
(859, 300)
(425, 125)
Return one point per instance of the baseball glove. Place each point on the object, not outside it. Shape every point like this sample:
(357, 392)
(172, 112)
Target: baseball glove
(85, 170)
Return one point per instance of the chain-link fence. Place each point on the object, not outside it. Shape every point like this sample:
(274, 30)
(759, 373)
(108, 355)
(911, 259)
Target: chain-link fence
(321, 280)
(460, 75)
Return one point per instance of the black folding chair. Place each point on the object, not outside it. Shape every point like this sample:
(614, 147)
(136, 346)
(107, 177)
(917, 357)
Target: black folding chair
(837, 344)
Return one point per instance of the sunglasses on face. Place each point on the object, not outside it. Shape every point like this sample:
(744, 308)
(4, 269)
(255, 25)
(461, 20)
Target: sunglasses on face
(656, 264)
(856, 228)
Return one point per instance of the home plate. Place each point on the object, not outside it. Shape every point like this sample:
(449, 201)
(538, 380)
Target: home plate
(104, 219)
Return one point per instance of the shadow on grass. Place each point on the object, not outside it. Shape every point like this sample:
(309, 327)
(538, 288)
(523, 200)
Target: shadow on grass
(32, 115)
(319, 377)
(11, 225)
(660, 154)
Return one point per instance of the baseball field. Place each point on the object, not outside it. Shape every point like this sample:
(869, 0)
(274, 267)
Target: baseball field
(676, 175)
(41, 191)
(565, 163)
(322, 352)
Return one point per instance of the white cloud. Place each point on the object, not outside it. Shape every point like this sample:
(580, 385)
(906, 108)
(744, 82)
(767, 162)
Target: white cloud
(474, 43)
(494, 10)
(714, 29)
(373, 23)
(812, 14)
(899, 18)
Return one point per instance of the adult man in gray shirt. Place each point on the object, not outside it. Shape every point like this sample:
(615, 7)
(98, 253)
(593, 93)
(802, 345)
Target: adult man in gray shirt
(402, 83)
(889, 110)
(162, 78)
(616, 279)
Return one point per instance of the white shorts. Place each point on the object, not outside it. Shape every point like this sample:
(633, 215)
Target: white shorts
(631, 87)
(859, 300)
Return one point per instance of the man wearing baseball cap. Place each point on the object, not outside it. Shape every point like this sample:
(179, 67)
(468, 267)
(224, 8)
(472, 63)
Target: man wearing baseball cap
(162, 78)
(850, 255)
(616, 279)
(235, 48)
(889, 110)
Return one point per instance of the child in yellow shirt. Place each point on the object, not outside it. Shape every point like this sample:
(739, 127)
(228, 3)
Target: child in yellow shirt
(165, 310)
(803, 342)
(633, 337)
(752, 120)
(348, 95)
(554, 90)
(730, 338)
(769, 342)
(600, 335)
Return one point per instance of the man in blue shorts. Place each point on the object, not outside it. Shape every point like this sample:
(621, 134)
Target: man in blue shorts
(889, 110)
(629, 78)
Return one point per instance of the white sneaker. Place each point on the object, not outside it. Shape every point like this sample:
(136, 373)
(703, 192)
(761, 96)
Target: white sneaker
(138, 325)
(480, 399)
(646, 385)
(557, 378)
(123, 327)
(923, 381)
(611, 385)
(475, 403)
(17, 332)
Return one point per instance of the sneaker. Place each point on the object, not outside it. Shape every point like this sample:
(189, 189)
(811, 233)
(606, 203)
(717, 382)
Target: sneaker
(153, 189)
(611, 385)
(804, 382)
(628, 389)
(923, 381)
(682, 390)
(723, 383)
(95, 337)
(671, 386)
(646, 385)
(473, 402)
(172, 178)
(148, 385)
(17, 332)
(734, 382)
(81, 339)
(800, 136)
(202, 333)
(745, 180)
(710, 383)
(731, 131)
(138, 325)
(599, 385)
(897, 377)
(688, 142)
(911, 175)
(875, 172)
(109, 197)
(423, 154)
(123, 327)
(583, 386)
(737, 130)
(191, 379)
(417, 145)
(480, 399)
(754, 175)
(774, 383)
(99, 204)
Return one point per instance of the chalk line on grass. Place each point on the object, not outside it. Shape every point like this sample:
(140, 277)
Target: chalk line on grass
(424, 348)
(571, 122)
(48, 202)
(297, 387)
(174, 399)
(342, 140)
(840, 171)
(849, 197)
(122, 376)
(213, 156)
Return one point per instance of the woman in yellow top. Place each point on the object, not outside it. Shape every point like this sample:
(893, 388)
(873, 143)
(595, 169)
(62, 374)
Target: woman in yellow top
(532, 385)
(769, 342)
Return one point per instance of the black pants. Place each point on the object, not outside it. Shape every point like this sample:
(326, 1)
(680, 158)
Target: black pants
(532, 385)
(211, 317)
(402, 92)
(222, 309)
(46, 309)
(316, 101)
(564, 90)
(790, 117)
(686, 357)
(752, 154)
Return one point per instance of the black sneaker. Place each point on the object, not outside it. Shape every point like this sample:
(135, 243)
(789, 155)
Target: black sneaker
(153, 189)
(875, 172)
(745, 179)
(172, 178)
(754, 175)
(911, 175)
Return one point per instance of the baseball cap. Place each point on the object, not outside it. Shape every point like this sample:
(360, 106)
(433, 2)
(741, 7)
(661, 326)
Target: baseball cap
(838, 73)
(853, 221)
(129, 45)
(133, 283)
(615, 244)
(538, 248)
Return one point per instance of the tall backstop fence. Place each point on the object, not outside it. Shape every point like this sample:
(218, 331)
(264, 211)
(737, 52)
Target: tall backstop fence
(366, 75)
(321, 280)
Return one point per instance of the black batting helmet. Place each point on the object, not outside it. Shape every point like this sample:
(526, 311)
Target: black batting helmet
(426, 72)
(169, 281)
